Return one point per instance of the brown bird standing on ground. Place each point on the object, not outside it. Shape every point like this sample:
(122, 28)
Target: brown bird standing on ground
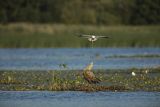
(89, 75)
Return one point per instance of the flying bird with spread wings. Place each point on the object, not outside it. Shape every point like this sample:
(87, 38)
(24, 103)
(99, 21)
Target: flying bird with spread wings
(92, 38)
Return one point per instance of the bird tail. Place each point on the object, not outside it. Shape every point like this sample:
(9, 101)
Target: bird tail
(96, 80)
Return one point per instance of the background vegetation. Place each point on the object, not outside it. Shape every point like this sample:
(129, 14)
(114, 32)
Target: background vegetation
(55, 23)
(24, 35)
(96, 12)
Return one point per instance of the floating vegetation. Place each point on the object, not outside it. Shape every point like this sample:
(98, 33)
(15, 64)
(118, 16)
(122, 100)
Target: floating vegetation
(135, 56)
(112, 80)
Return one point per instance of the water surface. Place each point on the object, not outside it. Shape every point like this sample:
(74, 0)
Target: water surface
(77, 58)
(78, 99)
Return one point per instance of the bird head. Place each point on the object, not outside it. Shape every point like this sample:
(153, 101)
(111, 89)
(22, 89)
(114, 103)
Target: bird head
(93, 36)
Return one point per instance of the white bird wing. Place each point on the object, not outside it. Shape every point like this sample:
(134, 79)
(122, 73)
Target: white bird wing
(89, 36)
(102, 36)
(85, 36)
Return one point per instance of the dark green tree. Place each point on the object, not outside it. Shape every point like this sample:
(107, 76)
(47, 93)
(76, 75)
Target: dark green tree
(146, 12)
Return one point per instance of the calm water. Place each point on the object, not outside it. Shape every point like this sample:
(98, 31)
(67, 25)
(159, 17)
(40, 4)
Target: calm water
(79, 99)
(77, 58)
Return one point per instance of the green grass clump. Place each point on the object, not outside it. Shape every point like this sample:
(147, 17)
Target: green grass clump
(24, 35)
(112, 80)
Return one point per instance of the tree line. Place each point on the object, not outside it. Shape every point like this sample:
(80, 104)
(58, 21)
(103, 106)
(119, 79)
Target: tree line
(96, 12)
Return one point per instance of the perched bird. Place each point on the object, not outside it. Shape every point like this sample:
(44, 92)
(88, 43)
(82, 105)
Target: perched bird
(133, 74)
(92, 38)
(89, 75)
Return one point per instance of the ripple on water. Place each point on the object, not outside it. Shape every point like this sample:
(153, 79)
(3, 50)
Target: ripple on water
(77, 58)
(78, 99)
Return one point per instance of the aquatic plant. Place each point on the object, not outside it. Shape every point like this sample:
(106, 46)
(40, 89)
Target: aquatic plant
(112, 80)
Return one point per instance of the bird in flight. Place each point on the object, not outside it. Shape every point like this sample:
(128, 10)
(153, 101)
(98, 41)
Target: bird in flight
(89, 75)
(92, 38)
